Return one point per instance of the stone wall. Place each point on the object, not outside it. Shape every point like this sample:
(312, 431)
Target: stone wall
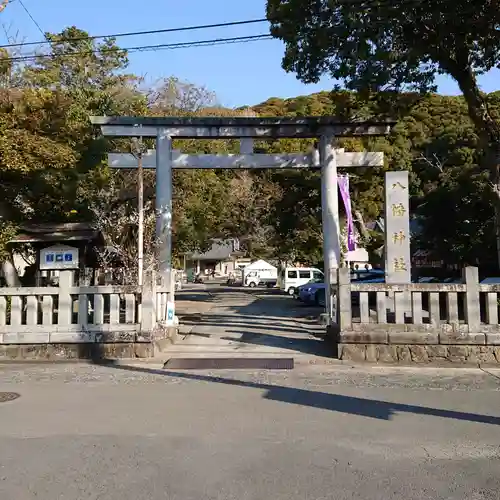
(416, 322)
(106, 347)
(393, 343)
(64, 352)
(381, 353)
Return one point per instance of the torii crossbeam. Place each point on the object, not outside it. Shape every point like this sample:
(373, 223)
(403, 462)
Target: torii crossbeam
(164, 159)
(246, 161)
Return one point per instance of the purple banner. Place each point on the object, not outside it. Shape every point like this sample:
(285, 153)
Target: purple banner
(343, 181)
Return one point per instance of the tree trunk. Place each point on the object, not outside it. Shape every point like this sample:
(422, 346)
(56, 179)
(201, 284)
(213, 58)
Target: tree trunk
(10, 273)
(361, 225)
(488, 130)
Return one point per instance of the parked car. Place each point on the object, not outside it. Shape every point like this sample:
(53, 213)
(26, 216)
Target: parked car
(358, 274)
(314, 291)
(308, 293)
(293, 277)
(376, 276)
(427, 279)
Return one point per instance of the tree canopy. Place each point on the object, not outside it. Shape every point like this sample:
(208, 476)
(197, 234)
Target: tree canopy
(53, 162)
(377, 45)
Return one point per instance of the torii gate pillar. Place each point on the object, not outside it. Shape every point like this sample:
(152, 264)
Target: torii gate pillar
(164, 210)
(330, 216)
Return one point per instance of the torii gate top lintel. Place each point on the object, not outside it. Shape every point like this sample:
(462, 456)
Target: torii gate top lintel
(239, 127)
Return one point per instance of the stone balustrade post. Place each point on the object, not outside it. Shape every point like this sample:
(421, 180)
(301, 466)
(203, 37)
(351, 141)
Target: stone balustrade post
(344, 303)
(472, 302)
(148, 303)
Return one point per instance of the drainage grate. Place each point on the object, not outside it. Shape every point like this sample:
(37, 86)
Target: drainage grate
(229, 364)
(8, 396)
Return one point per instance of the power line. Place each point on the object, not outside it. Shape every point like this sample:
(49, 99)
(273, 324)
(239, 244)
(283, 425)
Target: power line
(138, 33)
(353, 3)
(359, 3)
(145, 48)
(32, 18)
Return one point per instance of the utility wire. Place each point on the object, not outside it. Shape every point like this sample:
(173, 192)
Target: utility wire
(360, 4)
(32, 18)
(145, 48)
(137, 33)
(354, 3)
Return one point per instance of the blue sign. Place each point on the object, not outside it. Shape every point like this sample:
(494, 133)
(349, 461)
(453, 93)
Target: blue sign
(170, 311)
(59, 257)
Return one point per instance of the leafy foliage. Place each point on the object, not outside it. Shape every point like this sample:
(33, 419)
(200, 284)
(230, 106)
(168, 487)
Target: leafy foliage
(380, 43)
(53, 168)
(376, 45)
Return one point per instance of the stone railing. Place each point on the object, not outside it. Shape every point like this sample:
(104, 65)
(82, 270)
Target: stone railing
(82, 321)
(417, 322)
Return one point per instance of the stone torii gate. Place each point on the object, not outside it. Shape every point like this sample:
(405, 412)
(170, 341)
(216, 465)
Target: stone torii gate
(164, 159)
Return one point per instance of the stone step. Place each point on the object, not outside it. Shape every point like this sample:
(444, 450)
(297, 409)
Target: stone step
(182, 348)
(299, 359)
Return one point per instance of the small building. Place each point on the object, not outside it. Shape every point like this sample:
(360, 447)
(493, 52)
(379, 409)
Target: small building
(224, 258)
(32, 238)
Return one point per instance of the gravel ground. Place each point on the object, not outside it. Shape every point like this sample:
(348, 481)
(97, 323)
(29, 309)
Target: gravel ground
(313, 376)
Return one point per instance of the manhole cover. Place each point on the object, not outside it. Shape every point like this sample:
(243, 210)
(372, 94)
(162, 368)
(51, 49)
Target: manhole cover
(229, 364)
(8, 396)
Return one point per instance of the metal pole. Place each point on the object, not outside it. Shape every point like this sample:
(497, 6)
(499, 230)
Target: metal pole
(164, 210)
(330, 215)
(140, 208)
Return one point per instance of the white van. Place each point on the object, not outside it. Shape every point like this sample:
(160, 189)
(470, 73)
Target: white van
(293, 277)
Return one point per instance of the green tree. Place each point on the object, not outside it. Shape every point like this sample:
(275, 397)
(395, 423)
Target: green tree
(297, 215)
(47, 144)
(379, 44)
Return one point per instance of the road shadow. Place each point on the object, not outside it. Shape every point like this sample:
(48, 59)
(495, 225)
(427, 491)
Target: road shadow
(249, 290)
(312, 346)
(370, 408)
(272, 304)
(269, 322)
(221, 321)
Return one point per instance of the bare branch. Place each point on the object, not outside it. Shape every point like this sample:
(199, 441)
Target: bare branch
(172, 96)
(118, 224)
(435, 163)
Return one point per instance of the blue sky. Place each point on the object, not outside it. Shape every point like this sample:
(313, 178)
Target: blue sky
(239, 74)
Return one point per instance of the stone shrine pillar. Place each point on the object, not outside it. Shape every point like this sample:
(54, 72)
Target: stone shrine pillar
(397, 235)
(397, 228)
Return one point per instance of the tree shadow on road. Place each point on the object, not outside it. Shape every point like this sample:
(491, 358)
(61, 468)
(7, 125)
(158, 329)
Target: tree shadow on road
(267, 302)
(224, 322)
(370, 408)
(312, 346)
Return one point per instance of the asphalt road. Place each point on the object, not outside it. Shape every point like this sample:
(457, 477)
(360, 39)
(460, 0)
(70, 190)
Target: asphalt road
(136, 433)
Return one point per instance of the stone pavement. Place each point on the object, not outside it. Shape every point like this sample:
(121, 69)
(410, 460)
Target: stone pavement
(239, 322)
(193, 300)
(140, 433)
